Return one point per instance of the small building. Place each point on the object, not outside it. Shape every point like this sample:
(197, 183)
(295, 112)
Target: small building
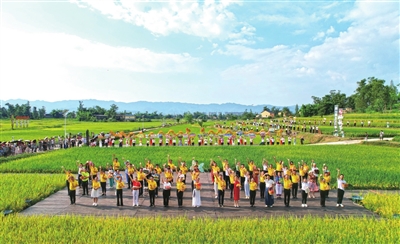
(267, 114)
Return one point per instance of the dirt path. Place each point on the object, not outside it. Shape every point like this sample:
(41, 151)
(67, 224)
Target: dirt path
(349, 142)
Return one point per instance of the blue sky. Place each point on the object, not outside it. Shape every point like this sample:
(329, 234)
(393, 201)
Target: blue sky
(247, 52)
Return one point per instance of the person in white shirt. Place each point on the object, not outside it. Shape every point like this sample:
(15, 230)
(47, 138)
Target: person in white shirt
(341, 185)
(305, 189)
(166, 192)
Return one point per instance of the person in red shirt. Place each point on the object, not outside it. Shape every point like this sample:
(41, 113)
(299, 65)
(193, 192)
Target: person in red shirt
(136, 185)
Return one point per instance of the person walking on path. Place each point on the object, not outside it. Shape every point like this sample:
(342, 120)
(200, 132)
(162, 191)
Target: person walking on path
(341, 185)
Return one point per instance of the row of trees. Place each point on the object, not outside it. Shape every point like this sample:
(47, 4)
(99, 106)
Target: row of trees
(22, 110)
(371, 95)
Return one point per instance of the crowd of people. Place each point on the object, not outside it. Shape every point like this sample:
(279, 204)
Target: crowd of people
(272, 181)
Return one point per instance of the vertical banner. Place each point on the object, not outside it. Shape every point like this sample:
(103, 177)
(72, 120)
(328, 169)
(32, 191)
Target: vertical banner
(335, 124)
(340, 118)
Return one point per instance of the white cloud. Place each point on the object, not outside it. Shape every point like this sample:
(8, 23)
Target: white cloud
(369, 47)
(68, 50)
(206, 19)
(67, 63)
(320, 35)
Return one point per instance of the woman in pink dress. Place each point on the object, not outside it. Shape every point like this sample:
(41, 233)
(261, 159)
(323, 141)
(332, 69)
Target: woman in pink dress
(312, 185)
(236, 192)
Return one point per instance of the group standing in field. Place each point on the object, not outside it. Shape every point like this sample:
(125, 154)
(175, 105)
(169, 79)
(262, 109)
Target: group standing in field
(273, 181)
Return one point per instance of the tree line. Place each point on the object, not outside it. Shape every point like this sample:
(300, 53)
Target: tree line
(371, 95)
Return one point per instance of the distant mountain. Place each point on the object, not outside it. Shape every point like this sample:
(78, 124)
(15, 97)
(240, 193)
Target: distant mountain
(143, 106)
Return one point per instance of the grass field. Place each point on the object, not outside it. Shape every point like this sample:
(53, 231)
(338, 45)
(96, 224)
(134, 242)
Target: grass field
(17, 188)
(385, 204)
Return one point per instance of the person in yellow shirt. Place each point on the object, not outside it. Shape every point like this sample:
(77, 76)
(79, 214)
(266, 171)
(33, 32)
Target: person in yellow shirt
(116, 164)
(158, 169)
(119, 186)
(221, 189)
(292, 166)
(287, 185)
(327, 177)
(305, 169)
(180, 187)
(152, 186)
(85, 182)
(93, 171)
(73, 184)
(149, 165)
(323, 188)
(302, 173)
(225, 167)
(250, 164)
(232, 175)
(184, 168)
(253, 190)
(271, 171)
(103, 181)
(95, 190)
(196, 197)
(214, 171)
(168, 174)
(131, 171)
(195, 174)
(279, 165)
(170, 164)
(243, 172)
(141, 177)
(68, 175)
(295, 183)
